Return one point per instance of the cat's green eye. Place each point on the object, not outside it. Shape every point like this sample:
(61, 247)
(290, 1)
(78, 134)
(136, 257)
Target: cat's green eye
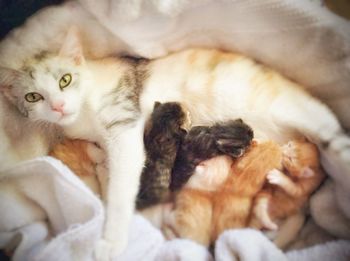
(33, 97)
(65, 80)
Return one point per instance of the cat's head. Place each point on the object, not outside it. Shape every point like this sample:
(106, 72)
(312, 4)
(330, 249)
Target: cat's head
(49, 87)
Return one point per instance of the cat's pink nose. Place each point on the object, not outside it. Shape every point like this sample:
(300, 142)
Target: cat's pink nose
(58, 106)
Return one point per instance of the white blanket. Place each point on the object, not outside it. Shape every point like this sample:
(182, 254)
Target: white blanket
(56, 217)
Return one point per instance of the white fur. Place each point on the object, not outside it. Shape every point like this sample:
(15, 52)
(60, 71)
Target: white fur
(20, 138)
(210, 174)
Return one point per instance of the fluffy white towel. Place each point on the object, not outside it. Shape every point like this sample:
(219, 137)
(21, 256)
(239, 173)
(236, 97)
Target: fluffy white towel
(54, 216)
(47, 210)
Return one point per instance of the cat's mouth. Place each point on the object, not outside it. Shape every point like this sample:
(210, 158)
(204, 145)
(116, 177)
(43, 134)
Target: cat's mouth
(63, 117)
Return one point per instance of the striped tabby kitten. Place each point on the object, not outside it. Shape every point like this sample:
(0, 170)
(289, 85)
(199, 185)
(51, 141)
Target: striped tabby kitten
(107, 101)
(163, 135)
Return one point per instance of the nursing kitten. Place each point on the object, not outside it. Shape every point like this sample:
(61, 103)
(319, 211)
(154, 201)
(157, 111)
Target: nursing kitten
(163, 135)
(288, 189)
(82, 158)
(108, 100)
(221, 192)
(205, 142)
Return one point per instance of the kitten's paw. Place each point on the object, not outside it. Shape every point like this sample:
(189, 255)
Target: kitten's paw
(96, 154)
(275, 177)
(187, 124)
(270, 225)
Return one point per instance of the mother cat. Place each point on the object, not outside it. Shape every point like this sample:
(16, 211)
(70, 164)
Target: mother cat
(108, 100)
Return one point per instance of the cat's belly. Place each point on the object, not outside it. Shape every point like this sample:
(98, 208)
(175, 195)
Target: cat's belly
(207, 110)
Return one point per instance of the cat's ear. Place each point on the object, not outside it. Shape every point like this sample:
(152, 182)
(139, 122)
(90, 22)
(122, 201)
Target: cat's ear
(8, 79)
(72, 47)
(307, 172)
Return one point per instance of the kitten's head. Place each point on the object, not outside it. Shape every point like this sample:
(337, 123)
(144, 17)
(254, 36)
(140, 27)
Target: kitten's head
(300, 157)
(49, 87)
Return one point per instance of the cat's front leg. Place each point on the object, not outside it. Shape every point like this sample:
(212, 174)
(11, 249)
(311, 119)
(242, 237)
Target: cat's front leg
(125, 160)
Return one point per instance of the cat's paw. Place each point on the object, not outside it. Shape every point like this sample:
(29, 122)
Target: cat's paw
(103, 250)
(106, 250)
(275, 177)
(270, 225)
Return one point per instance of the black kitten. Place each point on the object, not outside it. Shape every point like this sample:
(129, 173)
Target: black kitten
(204, 142)
(162, 139)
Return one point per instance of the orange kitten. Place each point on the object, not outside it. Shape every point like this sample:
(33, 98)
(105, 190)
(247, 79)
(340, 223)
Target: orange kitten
(203, 210)
(82, 158)
(288, 190)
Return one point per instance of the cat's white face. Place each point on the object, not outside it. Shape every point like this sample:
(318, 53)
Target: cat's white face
(56, 95)
(49, 88)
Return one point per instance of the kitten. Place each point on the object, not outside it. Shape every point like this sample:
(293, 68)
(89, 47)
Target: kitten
(288, 189)
(82, 158)
(163, 135)
(107, 101)
(205, 142)
(220, 194)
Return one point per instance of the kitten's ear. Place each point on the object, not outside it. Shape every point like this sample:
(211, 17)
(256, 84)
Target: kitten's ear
(156, 104)
(72, 47)
(307, 172)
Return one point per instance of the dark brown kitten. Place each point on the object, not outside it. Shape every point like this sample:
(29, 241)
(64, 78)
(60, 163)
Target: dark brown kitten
(205, 142)
(163, 135)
